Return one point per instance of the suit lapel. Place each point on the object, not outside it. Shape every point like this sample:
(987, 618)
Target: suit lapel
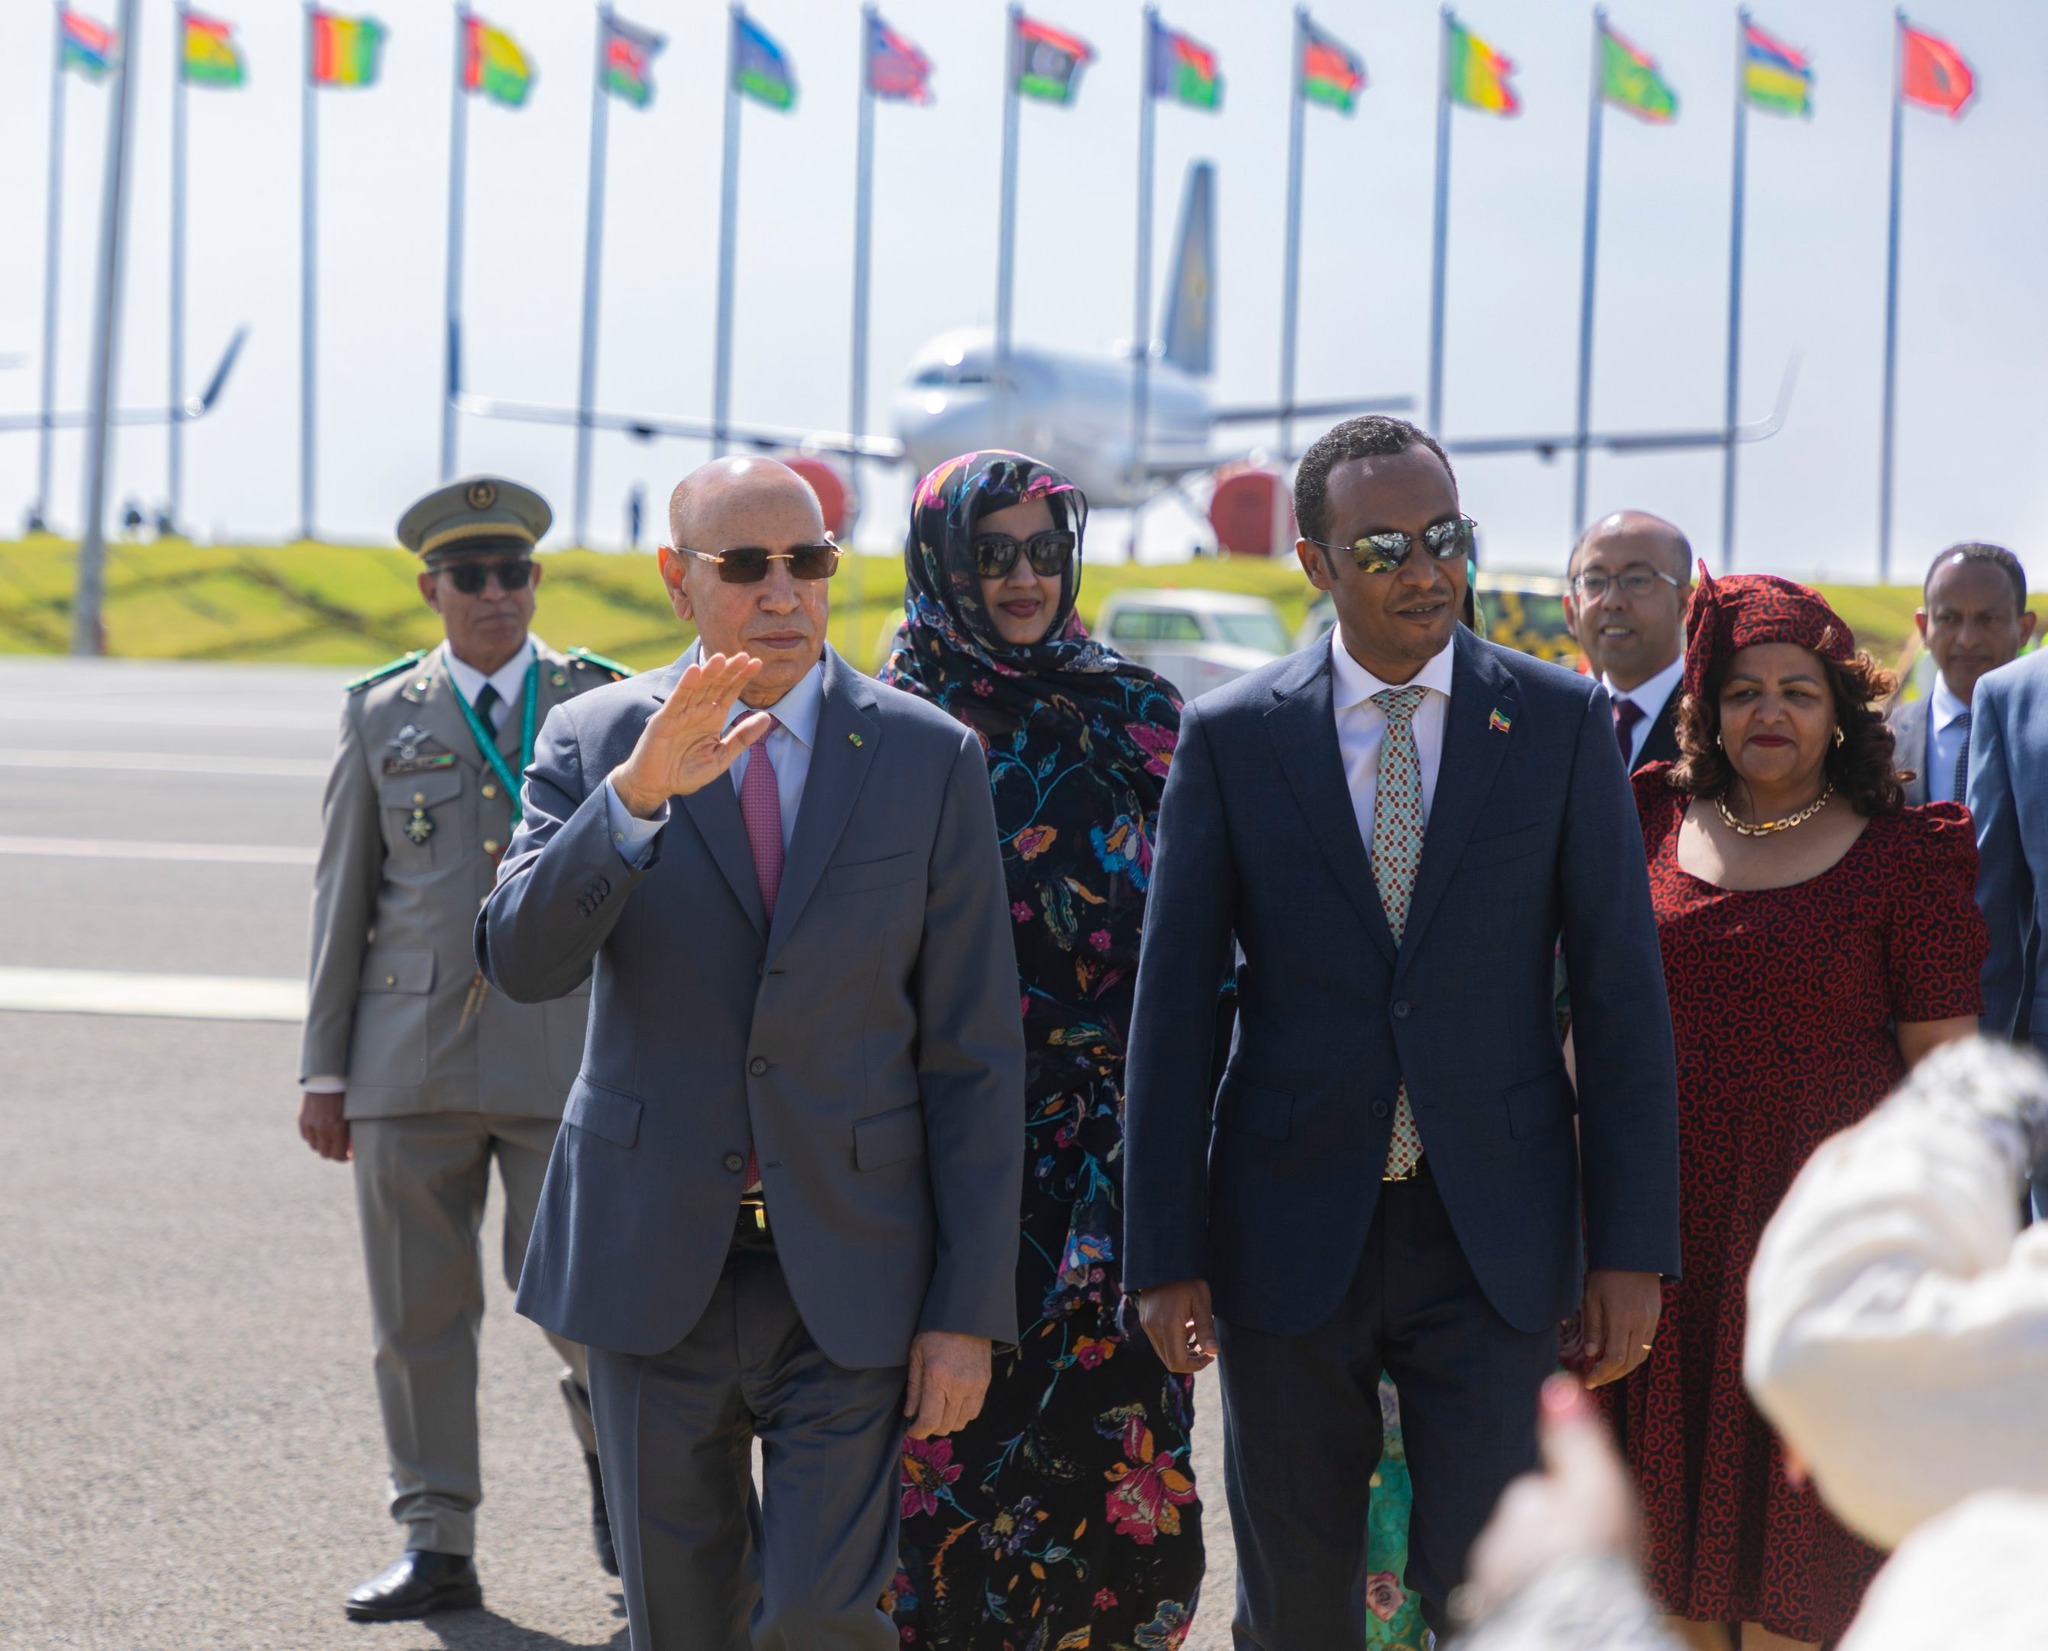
(1304, 730)
(848, 733)
(714, 810)
(1477, 729)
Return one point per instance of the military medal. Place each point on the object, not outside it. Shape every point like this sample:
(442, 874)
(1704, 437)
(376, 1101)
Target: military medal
(419, 828)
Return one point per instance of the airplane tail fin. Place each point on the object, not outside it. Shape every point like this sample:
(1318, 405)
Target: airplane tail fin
(1191, 300)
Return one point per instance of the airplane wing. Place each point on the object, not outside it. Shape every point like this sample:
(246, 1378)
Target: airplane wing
(193, 407)
(1312, 409)
(768, 437)
(1641, 441)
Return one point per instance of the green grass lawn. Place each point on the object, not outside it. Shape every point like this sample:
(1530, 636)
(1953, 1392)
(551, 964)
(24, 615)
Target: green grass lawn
(354, 605)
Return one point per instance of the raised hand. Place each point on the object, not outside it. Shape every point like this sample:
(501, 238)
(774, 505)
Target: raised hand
(684, 746)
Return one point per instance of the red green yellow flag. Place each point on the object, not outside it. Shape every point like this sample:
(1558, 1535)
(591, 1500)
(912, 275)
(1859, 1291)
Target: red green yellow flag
(1631, 80)
(347, 51)
(1332, 74)
(1475, 74)
(494, 65)
(207, 53)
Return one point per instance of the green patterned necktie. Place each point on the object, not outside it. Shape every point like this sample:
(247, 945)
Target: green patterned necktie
(1397, 824)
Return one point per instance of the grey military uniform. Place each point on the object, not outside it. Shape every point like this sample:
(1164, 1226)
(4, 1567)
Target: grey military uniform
(442, 1075)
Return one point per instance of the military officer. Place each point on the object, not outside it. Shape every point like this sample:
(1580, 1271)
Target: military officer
(412, 1066)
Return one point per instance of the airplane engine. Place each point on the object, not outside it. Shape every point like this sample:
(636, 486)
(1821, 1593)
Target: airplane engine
(1252, 511)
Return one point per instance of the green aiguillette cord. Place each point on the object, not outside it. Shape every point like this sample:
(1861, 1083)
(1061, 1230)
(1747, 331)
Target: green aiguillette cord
(489, 746)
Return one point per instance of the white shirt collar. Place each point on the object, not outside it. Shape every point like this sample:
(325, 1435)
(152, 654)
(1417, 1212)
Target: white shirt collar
(509, 679)
(1943, 705)
(1649, 695)
(797, 711)
(1353, 684)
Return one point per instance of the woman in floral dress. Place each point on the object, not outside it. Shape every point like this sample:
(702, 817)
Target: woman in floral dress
(1064, 1518)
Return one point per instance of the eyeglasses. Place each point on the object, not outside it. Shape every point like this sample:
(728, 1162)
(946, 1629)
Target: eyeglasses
(748, 564)
(1591, 587)
(1384, 552)
(1048, 553)
(471, 577)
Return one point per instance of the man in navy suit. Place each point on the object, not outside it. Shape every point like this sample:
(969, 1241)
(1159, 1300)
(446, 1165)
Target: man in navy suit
(2008, 799)
(1973, 617)
(1630, 577)
(1387, 834)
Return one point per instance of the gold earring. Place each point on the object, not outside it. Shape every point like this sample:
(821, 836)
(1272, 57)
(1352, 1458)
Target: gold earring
(1840, 736)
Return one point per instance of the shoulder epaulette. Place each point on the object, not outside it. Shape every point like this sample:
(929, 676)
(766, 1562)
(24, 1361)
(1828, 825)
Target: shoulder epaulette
(617, 671)
(370, 678)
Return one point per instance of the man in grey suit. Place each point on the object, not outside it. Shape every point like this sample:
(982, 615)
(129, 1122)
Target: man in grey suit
(784, 1206)
(1973, 618)
(2009, 801)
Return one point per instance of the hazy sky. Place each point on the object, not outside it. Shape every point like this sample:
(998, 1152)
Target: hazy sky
(1973, 395)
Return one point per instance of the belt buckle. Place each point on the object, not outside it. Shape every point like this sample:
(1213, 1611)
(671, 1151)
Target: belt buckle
(759, 1205)
(1412, 1174)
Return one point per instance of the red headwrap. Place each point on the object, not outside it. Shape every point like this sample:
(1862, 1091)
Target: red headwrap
(1744, 609)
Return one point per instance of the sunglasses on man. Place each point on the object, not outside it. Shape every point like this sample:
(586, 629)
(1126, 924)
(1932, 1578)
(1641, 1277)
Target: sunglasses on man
(1048, 553)
(514, 573)
(1384, 552)
(748, 564)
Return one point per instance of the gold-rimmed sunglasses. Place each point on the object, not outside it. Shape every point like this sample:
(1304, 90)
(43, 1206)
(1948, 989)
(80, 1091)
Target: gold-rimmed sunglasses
(748, 564)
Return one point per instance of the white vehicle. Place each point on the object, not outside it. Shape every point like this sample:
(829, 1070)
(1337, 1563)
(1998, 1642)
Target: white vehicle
(1196, 639)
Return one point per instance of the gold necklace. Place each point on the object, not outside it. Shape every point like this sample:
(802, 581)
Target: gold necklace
(1765, 828)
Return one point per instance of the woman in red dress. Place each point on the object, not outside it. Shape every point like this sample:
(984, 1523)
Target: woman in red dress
(1818, 939)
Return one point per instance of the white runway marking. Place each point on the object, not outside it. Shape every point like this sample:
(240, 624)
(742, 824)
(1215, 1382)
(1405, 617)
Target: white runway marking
(142, 848)
(176, 997)
(169, 762)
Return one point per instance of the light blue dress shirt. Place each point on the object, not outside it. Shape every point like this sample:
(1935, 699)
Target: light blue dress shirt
(1945, 740)
(790, 743)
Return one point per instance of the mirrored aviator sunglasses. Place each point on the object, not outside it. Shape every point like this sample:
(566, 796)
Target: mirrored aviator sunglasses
(1048, 553)
(1384, 552)
(748, 564)
(515, 573)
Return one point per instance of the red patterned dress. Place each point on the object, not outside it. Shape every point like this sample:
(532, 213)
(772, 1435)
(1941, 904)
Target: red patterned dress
(1781, 1000)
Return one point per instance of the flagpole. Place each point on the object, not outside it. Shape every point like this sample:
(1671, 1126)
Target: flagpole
(593, 274)
(174, 431)
(1891, 311)
(1589, 261)
(458, 154)
(863, 232)
(728, 228)
(52, 247)
(1735, 235)
(86, 637)
(1006, 224)
(1141, 324)
(1290, 285)
(1440, 224)
(309, 273)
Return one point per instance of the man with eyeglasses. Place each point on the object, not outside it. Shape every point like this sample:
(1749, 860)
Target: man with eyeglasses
(1384, 837)
(1630, 578)
(412, 1067)
(784, 1207)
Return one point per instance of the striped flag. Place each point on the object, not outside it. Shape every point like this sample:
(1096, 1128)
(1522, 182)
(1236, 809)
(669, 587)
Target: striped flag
(1048, 61)
(629, 61)
(760, 68)
(88, 46)
(207, 53)
(1476, 75)
(347, 51)
(494, 65)
(1184, 70)
(1774, 76)
(896, 68)
(1330, 72)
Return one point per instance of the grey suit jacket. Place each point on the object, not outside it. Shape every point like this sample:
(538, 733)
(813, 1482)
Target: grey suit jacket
(1908, 721)
(867, 1043)
(2009, 803)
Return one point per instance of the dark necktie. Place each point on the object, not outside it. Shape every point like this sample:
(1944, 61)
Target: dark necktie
(486, 707)
(1962, 790)
(1627, 713)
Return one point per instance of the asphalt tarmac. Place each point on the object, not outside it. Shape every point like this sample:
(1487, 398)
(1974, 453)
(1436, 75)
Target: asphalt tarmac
(190, 1455)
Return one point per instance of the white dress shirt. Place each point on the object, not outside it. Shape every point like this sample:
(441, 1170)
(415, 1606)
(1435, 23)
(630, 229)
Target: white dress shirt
(1648, 697)
(1361, 725)
(1945, 741)
(790, 743)
(509, 679)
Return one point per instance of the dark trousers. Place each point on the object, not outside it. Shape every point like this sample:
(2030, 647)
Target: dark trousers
(1302, 1432)
(704, 1566)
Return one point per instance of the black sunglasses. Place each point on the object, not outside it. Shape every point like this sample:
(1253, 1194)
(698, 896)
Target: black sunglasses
(515, 573)
(1384, 552)
(1049, 553)
(748, 564)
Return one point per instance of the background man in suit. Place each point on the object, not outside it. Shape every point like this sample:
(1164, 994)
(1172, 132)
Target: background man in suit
(1389, 831)
(2008, 799)
(410, 1066)
(789, 1185)
(1973, 617)
(1630, 579)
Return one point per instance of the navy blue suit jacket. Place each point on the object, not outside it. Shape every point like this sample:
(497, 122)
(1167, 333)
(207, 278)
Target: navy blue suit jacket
(2009, 803)
(1265, 1184)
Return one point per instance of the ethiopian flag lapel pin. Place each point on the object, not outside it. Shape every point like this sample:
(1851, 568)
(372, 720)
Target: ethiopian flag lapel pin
(1498, 723)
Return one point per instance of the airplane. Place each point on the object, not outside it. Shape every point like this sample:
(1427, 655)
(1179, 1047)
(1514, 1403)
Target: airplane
(185, 412)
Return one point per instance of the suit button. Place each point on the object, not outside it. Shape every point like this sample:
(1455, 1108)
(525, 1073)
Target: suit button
(1401, 1009)
(757, 1066)
(734, 1163)
(391, 980)
(490, 790)
(490, 845)
(418, 797)
(1380, 1109)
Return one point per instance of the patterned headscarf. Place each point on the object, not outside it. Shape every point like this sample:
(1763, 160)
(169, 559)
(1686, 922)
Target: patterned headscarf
(1742, 610)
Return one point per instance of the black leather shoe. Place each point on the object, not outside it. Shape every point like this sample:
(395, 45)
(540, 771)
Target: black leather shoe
(420, 1583)
(601, 1521)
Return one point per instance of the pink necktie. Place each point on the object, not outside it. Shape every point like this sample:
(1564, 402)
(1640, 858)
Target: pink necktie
(761, 809)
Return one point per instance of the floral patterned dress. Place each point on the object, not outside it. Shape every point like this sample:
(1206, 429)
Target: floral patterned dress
(1064, 1517)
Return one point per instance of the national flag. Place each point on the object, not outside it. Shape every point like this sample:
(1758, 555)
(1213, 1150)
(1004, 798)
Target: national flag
(896, 68)
(1774, 76)
(493, 64)
(1048, 61)
(1331, 73)
(1475, 74)
(629, 60)
(759, 67)
(207, 53)
(347, 51)
(1932, 73)
(1184, 70)
(1631, 80)
(88, 46)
